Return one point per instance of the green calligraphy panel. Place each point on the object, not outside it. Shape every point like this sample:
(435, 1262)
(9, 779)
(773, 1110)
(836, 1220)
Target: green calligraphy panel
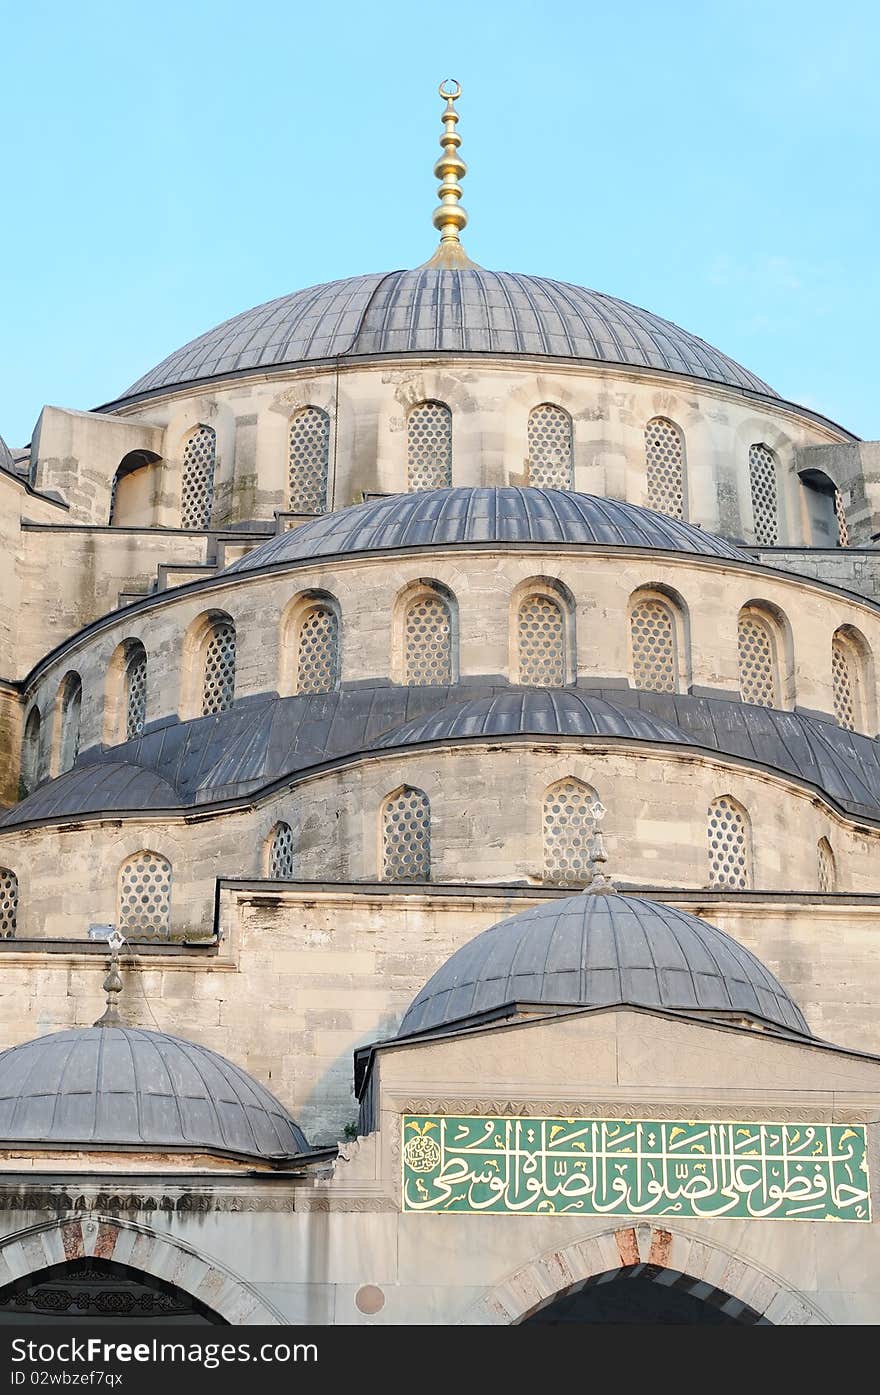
(635, 1167)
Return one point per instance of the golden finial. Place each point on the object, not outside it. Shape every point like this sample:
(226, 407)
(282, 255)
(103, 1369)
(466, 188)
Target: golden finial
(449, 216)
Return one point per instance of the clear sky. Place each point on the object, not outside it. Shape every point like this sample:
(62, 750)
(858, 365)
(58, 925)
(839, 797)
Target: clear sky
(168, 165)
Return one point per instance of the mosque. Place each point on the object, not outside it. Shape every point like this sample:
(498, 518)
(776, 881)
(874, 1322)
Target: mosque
(440, 843)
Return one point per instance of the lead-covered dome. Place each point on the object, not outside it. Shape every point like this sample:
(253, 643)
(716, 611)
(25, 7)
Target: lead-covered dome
(465, 516)
(436, 310)
(598, 950)
(102, 1088)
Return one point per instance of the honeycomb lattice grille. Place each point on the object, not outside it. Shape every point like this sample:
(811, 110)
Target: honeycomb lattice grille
(145, 895)
(135, 695)
(653, 646)
(568, 828)
(317, 664)
(407, 837)
(757, 662)
(8, 903)
(219, 686)
(428, 643)
(281, 853)
(728, 845)
(840, 515)
(541, 636)
(308, 460)
(550, 447)
(765, 508)
(113, 488)
(844, 684)
(664, 452)
(197, 492)
(71, 713)
(826, 870)
(429, 446)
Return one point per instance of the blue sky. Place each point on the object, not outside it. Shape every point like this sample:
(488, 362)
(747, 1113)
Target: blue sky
(168, 165)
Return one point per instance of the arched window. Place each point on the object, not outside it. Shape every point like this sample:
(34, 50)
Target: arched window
(144, 895)
(847, 682)
(135, 690)
(429, 445)
(71, 712)
(317, 651)
(550, 447)
(729, 839)
(758, 660)
(218, 688)
(406, 836)
(30, 755)
(765, 506)
(308, 460)
(113, 488)
(664, 454)
(826, 868)
(840, 517)
(427, 641)
(654, 645)
(568, 827)
(197, 489)
(280, 853)
(8, 903)
(541, 642)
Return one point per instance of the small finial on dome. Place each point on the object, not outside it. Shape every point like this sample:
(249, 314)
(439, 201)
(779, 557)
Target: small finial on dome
(112, 984)
(598, 882)
(449, 216)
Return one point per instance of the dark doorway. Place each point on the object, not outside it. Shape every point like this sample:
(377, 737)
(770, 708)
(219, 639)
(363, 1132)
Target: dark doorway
(643, 1293)
(98, 1292)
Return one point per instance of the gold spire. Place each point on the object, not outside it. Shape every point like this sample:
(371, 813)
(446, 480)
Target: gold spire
(449, 216)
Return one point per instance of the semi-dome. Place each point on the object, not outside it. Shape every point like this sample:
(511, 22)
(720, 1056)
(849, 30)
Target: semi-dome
(102, 1088)
(598, 950)
(463, 516)
(441, 310)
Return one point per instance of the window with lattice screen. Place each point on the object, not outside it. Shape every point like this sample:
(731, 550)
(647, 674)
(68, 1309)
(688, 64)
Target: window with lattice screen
(197, 489)
(568, 828)
(113, 488)
(145, 895)
(728, 844)
(317, 658)
(406, 837)
(541, 642)
(664, 455)
(30, 755)
(135, 692)
(758, 681)
(652, 631)
(550, 447)
(845, 683)
(8, 903)
(280, 862)
(71, 714)
(826, 868)
(840, 517)
(218, 687)
(429, 446)
(765, 506)
(308, 460)
(427, 642)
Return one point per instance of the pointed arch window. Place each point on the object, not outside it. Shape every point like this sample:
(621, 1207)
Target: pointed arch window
(144, 895)
(427, 641)
(664, 454)
(71, 715)
(765, 504)
(280, 858)
(197, 488)
(826, 867)
(758, 660)
(317, 651)
(847, 682)
(308, 460)
(567, 827)
(729, 844)
(840, 519)
(218, 687)
(8, 903)
(429, 446)
(550, 447)
(654, 645)
(541, 642)
(135, 691)
(30, 756)
(406, 836)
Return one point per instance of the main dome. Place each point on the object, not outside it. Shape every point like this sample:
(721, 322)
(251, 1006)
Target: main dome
(436, 310)
(465, 516)
(597, 950)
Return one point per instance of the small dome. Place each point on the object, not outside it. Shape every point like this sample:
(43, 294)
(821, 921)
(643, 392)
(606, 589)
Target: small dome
(121, 1087)
(598, 950)
(468, 517)
(532, 712)
(435, 310)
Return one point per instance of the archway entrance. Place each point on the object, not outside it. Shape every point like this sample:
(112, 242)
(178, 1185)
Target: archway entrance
(99, 1292)
(645, 1293)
